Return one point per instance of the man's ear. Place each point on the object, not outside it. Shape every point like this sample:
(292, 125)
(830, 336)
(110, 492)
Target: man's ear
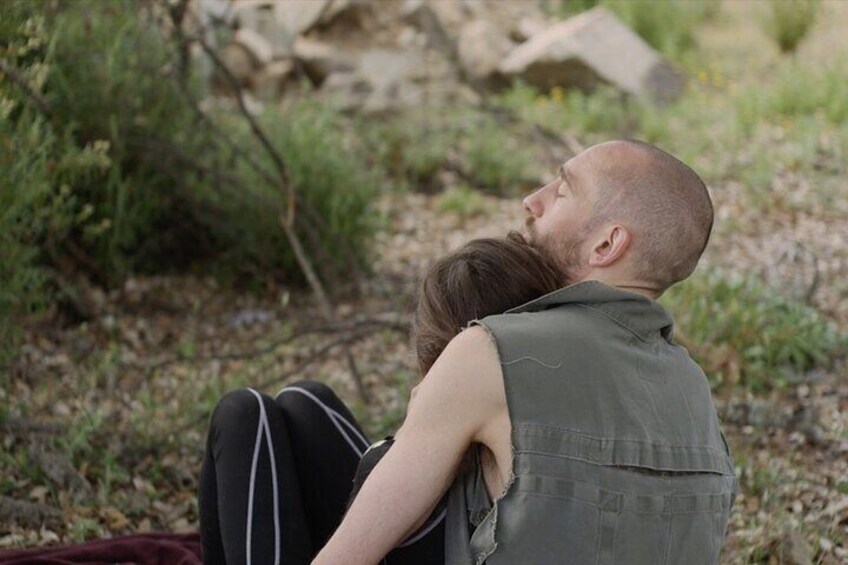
(610, 247)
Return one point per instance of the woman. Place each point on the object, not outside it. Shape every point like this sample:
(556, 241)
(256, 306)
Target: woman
(279, 474)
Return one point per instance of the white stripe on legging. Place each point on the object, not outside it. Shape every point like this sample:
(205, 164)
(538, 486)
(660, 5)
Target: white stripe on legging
(263, 426)
(334, 415)
(427, 530)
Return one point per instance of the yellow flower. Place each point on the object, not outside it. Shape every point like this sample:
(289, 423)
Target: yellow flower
(557, 94)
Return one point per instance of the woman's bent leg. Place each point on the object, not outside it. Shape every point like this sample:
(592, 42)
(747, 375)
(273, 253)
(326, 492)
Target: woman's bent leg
(251, 510)
(327, 443)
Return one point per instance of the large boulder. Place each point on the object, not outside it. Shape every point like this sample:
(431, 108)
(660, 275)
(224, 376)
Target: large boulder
(297, 17)
(480, 49)
(259, 48)
(319, 60)
(589, 49)
(438, 21)
(260, 18)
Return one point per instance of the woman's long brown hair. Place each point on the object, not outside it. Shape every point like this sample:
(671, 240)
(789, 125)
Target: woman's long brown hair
(484, 277)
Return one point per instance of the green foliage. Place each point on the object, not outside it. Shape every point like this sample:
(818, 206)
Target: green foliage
(799, 91)
(806, 91)
(125, 177)
(330, 173)
(414, 149)
(496, 160)
(790, 21)
(40, 164)
(669, 27)
(463, 201)
(739, 329)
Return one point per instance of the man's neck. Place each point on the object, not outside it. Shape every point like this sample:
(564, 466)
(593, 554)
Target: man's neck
(630, 286)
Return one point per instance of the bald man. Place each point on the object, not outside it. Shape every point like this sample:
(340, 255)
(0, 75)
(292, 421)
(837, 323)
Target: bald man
(599, 440)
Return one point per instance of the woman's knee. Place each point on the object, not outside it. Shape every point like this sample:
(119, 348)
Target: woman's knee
(314, 390)
(236, 408)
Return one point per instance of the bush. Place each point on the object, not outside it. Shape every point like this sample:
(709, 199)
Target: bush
(595, 115)
(137, 182)
(668, 27)
(463, 201)
(333, 180)
(789, 22)
(413, 149)
(742, 331)
(495, 160)
(39, 164)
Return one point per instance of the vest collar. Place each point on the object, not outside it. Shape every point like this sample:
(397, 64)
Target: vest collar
(640, 314)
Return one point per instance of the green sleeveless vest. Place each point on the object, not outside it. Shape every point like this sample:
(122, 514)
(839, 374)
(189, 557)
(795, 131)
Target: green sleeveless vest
(618, 455)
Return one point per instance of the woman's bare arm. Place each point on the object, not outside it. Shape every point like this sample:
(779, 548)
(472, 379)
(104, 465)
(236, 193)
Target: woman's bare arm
(454, 402)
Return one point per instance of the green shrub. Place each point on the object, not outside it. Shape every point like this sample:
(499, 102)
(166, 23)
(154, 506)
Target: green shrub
(330, 174)
(790, 21)
(412, 149)
(806, 91)
(137, 182)
(38, 208)
(669, 27)
(495, 159)
(742, 331)
(463, 201)
(594, 116)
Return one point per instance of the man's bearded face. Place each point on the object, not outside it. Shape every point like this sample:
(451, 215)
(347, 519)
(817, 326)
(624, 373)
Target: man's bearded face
(561, 246)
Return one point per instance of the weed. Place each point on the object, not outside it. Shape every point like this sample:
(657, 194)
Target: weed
(790, 21)
(668, 27)
(414, 149)
(84, 529)
(463, 201)
(741, 330)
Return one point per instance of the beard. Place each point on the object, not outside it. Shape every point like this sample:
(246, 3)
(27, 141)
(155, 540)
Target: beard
(563, 251)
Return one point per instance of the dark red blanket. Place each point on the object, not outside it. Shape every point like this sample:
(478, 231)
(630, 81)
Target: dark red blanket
(143, 549)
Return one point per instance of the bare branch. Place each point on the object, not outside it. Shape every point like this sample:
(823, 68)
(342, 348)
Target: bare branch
(287, 221)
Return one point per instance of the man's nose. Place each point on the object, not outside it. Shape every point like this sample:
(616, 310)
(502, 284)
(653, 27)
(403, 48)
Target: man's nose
(533, 203)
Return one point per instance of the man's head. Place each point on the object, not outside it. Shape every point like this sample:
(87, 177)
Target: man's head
(625, 213)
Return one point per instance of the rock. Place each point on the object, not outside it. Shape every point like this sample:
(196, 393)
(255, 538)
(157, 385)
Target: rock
(268, 83)
(260, 17)
(592, 48)
(389, 74)
(239, 62)
(480, 48)
(297, 17)
(350, 13)
(430, 18)
(57, 467)
(319, 59)
(28, 515)
(793, 549)
(258, 47)
(527, 27)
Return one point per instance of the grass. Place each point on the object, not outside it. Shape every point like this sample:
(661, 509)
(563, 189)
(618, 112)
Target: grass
(744, 333)
(463, 201)
(790, 21)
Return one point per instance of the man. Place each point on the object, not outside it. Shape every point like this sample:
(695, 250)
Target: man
(605, 441)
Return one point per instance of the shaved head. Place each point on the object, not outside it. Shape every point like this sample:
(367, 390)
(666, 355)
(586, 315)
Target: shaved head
(662, 201)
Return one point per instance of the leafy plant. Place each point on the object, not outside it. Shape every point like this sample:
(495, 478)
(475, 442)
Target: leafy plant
(495, 159)
(790, 21)
(463, 201)
(742, 331)
(668, 27)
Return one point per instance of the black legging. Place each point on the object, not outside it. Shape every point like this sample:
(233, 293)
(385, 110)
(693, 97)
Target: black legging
(255, 512)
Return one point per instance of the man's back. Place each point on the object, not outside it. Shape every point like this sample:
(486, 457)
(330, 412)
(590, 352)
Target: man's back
(618, 455)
